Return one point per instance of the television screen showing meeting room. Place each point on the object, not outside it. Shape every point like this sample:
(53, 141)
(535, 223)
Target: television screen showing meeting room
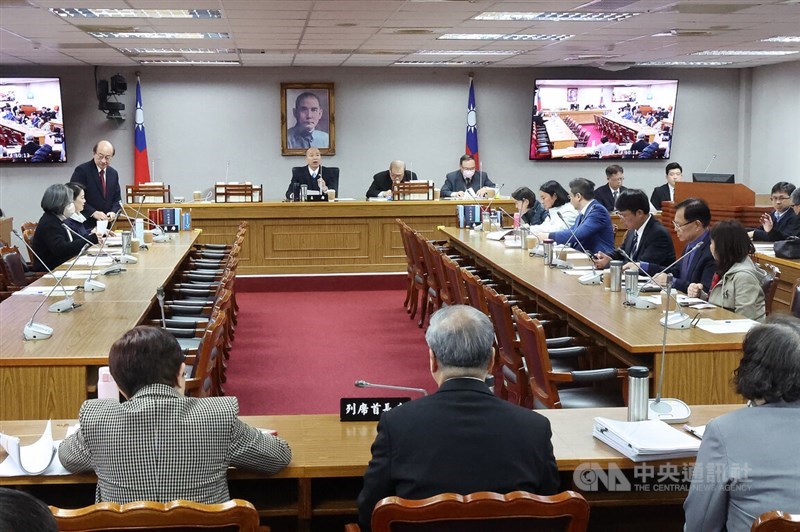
(31, 121)
(580, 119)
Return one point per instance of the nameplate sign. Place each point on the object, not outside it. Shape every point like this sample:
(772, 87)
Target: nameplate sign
(367, 408)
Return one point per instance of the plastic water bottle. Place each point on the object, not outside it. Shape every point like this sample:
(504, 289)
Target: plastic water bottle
(106, 385)
(139, 229)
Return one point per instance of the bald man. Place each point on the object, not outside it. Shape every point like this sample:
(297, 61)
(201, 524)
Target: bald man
(381, 186)
(101, 183)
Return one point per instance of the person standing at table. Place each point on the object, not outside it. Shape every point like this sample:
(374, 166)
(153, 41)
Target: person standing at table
(456, 183)
(315, 176)
(666, 192)
(101, 183)
(159, 445)
(782, 220)
(462, 438)
(381, 186)
(592, 226)
(607, 194)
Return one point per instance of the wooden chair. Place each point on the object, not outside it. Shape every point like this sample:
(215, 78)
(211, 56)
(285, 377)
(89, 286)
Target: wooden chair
(452, 272)
(483, 511)
(409, 263)
(776, 521)
(794, 306)
(13, 269)
(412, 190)
(543, 380)
(238, 193)
(147, 193)
(432, 277)
(420, 279)
(769, 285)
(235, 514)
(202, 379)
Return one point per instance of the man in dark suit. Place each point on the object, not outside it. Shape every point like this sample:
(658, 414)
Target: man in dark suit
(666, 192)
(607, 194)
(381, 186)
(313, 175)
(782, 221)
(592, 226)
(456, 183)
(461, 439)
(647, 241)
(691, 223)
(101, 183)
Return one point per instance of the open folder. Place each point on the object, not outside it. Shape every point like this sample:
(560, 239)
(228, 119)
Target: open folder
(645, 440)
(38, 458)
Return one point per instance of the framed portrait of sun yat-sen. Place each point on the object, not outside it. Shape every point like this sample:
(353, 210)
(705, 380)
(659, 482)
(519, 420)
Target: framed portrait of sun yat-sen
(307, 118)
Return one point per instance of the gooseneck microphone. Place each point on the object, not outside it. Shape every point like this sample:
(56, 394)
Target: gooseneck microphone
(365, 384)
(558, 261)
(91, 285)
(160, 297)
(66, 304)
(685, 254)
(113, 269)
(162, 236)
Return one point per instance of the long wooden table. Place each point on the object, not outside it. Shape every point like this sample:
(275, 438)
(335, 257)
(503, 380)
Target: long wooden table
(698, 365)
(330, 458)
(49, 378)
(321, 237)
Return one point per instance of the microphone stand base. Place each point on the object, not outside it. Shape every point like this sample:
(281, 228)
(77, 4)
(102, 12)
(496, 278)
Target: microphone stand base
(591, 278)
(65, 305)
(644, 304)
(37, 331)
(668, 410)
(90, 285)
(676, 321)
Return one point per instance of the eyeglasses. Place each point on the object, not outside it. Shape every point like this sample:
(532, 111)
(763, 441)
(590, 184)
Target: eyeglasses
(103, 157)
(677, 226)
(779, 198)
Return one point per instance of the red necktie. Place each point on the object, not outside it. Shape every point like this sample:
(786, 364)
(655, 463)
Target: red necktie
(103, 181)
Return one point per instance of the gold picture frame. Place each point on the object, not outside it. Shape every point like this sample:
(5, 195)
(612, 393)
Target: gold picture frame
(316, 112)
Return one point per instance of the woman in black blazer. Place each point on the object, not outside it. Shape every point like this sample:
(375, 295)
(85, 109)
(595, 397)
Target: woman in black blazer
(52, 241)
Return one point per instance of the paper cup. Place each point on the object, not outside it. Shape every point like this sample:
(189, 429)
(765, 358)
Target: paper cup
(437, 193)
(331, 194)
(490, 193)
(135, 245)
(148, 237)
(102, 227)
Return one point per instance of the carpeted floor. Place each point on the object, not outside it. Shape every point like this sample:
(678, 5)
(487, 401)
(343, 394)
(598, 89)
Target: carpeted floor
(300, 352)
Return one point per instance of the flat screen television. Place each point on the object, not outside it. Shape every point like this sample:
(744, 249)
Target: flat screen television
(713, 178)
(585, 119)
(31, 121)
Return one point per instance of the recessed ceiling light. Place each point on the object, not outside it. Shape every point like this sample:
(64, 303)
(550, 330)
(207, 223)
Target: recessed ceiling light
(155, 35)
(177, 50)
(783, 38)
(501, 37)
(563, 16)
(746, 52)
(684, 63)
(443, 63)
(469, 52)
(135, 13)
(185, 62)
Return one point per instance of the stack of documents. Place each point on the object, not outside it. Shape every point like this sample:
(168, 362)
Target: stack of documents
(726, 326)
(645, 440)
(38, 458)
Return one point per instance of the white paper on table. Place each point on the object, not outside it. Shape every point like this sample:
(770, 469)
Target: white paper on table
(583, 268)
(575, 272)
(686, 300)
(88, 261)
(39, 458)
(114, 242)
(44, 290)
(697, 430)
(71, 275)
(702, 306)
(652, 298)
(726, 326)
(576, 255)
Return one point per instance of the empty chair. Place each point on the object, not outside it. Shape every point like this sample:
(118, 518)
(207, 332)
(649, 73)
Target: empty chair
(776, 521)
(794, 306)
(233, 515)
(485, 511)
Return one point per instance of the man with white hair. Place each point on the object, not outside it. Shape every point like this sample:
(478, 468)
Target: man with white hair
(382, 182)
(30, 146)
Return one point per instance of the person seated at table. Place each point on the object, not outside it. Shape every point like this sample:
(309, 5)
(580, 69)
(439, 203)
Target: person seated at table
(52, 241)
(315, 176)
(555, 201)
(530, 211)
(456, 183)
(592, 227)
(381, 186)
(691, 221)
(30, 146)
(736, 476)
(641, 142)
(159, 445)
(666, 192)
(737, 283)
(77, 222)
(646, 241)
(782, 221)
(606, 148)
(607, 194)
(463, 438)
(22, 512)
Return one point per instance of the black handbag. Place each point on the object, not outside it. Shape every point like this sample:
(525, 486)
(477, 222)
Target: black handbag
(788, 249)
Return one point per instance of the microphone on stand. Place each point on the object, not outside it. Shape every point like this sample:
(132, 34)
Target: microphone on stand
(669, 410)
(160, 297)
(66, 304)
(713, 158)
(162, 236)
(365, 384)
(90, 285)
(558, 261)
(640, 303)
(38, 331)
(113, 269)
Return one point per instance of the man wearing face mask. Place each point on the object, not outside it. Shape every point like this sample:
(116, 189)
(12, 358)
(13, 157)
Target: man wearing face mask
(101, 183)
(52, 241)
(456, 183)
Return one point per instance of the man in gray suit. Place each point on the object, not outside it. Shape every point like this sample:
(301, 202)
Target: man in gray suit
(159, 445)
(456, 183)
(747, 463)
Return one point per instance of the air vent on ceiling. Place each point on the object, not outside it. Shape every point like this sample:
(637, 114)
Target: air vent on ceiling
(698, 8)
(412, 31)
(108, 29)
(249, 51)
(382, 52)
(19, 4)
(81, 46)
(605, 5)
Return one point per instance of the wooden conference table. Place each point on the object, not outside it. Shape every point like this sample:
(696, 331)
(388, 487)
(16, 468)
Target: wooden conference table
(49, 378)
(698, 366)
(330, 458)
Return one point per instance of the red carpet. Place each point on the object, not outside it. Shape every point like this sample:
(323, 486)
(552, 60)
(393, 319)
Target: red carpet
(300, 352)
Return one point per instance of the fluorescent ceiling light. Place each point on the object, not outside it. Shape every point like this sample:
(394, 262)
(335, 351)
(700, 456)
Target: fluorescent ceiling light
(134, 13)
(501, 37)
(783, 38)
(469, 52)
(177, 50)
(155, 35)
(563, 16)
(443, 63)
(186, 62)
(746, 52)
(684, 63)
